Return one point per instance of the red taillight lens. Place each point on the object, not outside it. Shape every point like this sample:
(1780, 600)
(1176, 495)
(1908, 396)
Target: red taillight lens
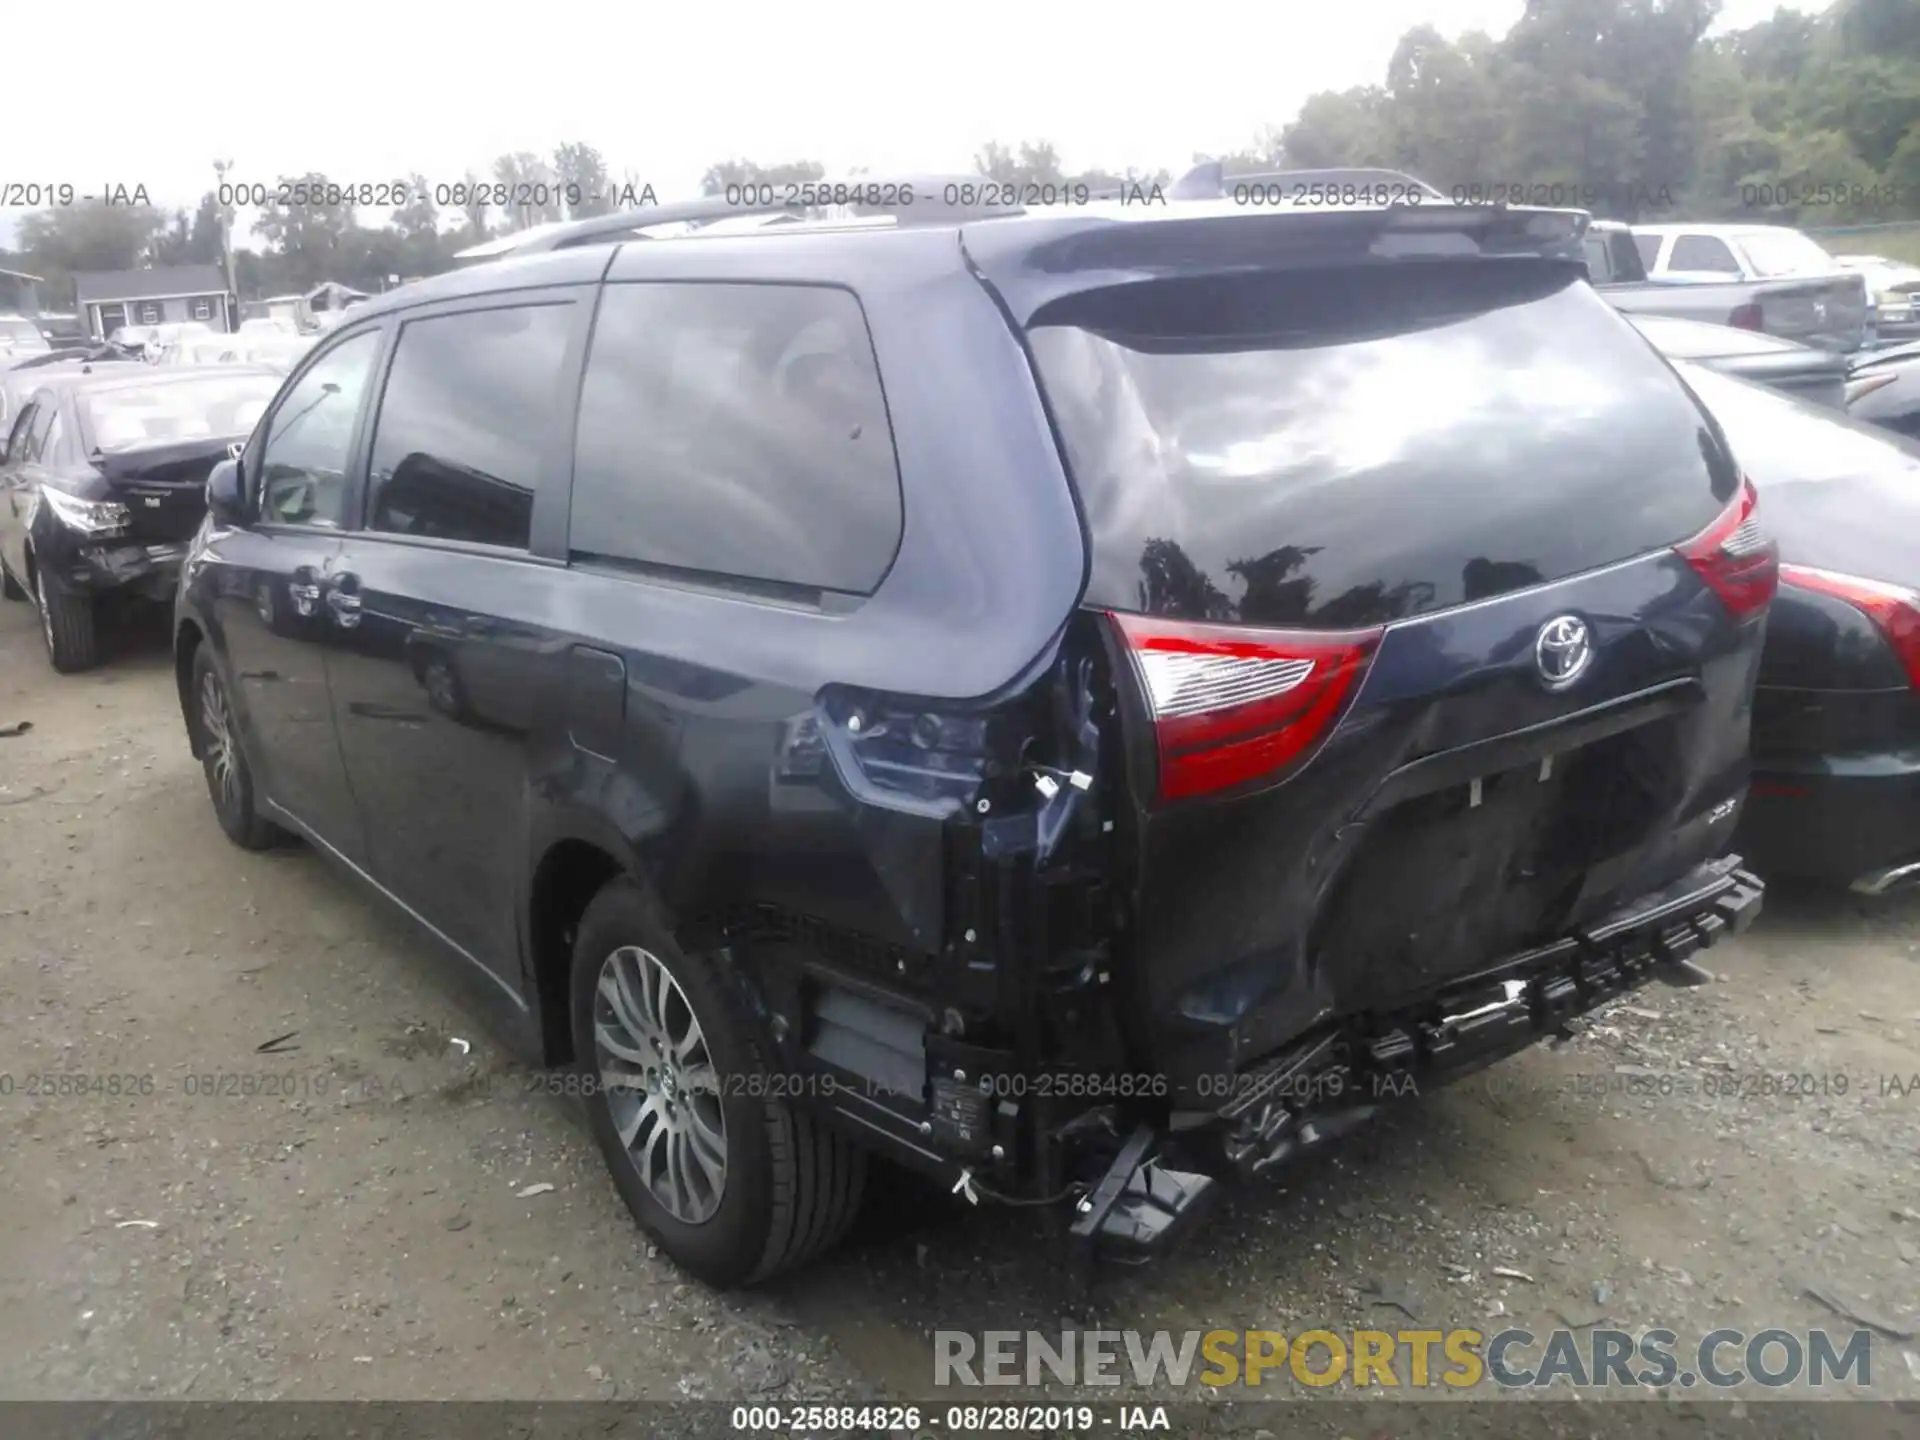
(1736, 557)
(1867, 384)
(1231, 704)
(1745, 317)
(1894, 608)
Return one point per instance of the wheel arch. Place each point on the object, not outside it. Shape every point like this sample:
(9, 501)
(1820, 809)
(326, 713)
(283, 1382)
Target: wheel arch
(569, 873)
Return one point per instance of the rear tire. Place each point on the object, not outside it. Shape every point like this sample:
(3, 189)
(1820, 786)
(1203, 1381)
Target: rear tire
(787, 1188)
(68, 627)
(229, 778)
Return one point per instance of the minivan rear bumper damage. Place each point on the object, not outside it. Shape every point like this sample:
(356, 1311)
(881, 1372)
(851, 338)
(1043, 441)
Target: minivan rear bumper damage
(1332, 1080)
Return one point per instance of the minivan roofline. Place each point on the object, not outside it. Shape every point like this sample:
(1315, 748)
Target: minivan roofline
(1058, 250)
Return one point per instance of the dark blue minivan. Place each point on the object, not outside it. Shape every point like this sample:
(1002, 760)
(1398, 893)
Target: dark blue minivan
(1081, 703)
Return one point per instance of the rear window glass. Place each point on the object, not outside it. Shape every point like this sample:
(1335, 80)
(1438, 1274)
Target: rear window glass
(1707, 254)
(1784, 252)
(1611, 257)
(1349, 447)
(198, 409)
(736, 431)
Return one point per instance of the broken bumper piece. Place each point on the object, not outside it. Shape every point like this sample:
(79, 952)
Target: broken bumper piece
(1140, 1206)
(1333, 1081)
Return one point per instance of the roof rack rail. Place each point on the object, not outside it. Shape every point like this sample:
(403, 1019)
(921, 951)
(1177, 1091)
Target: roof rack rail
(1209, 180)
(929, 205)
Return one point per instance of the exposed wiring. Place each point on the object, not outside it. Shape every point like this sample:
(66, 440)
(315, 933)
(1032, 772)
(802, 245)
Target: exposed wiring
(1076, 1188)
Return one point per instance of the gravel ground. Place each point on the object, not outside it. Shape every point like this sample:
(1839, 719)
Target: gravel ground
(353, 1217)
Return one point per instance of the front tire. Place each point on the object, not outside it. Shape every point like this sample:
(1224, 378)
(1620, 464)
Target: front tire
(734, 1182)
(68, 626)
(229, 779)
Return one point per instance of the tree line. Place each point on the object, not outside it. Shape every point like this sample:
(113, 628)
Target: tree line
(1809, 120)
(1626, 105)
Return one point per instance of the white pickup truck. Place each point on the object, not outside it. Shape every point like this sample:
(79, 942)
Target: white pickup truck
(1806, 294)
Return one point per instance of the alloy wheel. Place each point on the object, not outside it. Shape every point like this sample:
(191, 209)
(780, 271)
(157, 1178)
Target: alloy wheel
(661, 1085)
(217, 739)
(46, 610)
(441, 689)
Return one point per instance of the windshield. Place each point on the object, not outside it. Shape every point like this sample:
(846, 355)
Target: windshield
(1783, 252)
(209, 408)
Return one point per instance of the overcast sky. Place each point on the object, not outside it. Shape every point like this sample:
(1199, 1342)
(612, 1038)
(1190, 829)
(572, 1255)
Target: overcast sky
(669, 89)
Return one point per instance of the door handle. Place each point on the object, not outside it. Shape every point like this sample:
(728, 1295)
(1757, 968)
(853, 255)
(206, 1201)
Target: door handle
(343, 599)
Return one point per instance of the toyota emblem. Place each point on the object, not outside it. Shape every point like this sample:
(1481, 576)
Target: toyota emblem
(1563, 651)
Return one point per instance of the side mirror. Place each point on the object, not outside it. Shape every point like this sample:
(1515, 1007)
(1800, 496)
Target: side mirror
(226, 496)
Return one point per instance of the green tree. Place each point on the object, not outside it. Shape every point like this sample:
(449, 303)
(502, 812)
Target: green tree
(1035, 163)
(583, 172)
(422, 249)
(1879, 27)
(174, 242)
(532, 190)
(91, 236)
(314, 239)
(206, 247)
(475, 210)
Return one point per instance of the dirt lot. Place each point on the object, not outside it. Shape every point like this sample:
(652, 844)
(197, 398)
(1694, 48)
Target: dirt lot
(360, 1232)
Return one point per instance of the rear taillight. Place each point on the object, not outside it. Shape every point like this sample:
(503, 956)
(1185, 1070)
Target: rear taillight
(1232, 705)
(1893, 608)
(1866, 384)
(1745, 317)
(1736, 556)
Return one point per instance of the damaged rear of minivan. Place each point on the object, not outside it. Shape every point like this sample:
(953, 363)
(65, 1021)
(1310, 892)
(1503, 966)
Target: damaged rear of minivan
(1196, 675)
(1406, 710)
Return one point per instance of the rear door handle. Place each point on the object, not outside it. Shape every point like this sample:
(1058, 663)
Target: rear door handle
(343, 598)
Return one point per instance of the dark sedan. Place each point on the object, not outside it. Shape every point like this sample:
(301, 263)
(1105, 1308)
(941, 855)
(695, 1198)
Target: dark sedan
(1817, 375)
(103, 483)
(1836, 727)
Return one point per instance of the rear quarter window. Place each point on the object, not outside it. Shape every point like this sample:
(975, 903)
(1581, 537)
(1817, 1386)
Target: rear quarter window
(736, 431)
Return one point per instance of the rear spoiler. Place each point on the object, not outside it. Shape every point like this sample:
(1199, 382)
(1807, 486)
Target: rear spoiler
(1209, 181)
(132, 464)
(1033, 264)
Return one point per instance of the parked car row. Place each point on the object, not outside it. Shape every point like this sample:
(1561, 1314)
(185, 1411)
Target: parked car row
(271, 347)
(1877, 385)
(1893, 286)
(862, 687)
